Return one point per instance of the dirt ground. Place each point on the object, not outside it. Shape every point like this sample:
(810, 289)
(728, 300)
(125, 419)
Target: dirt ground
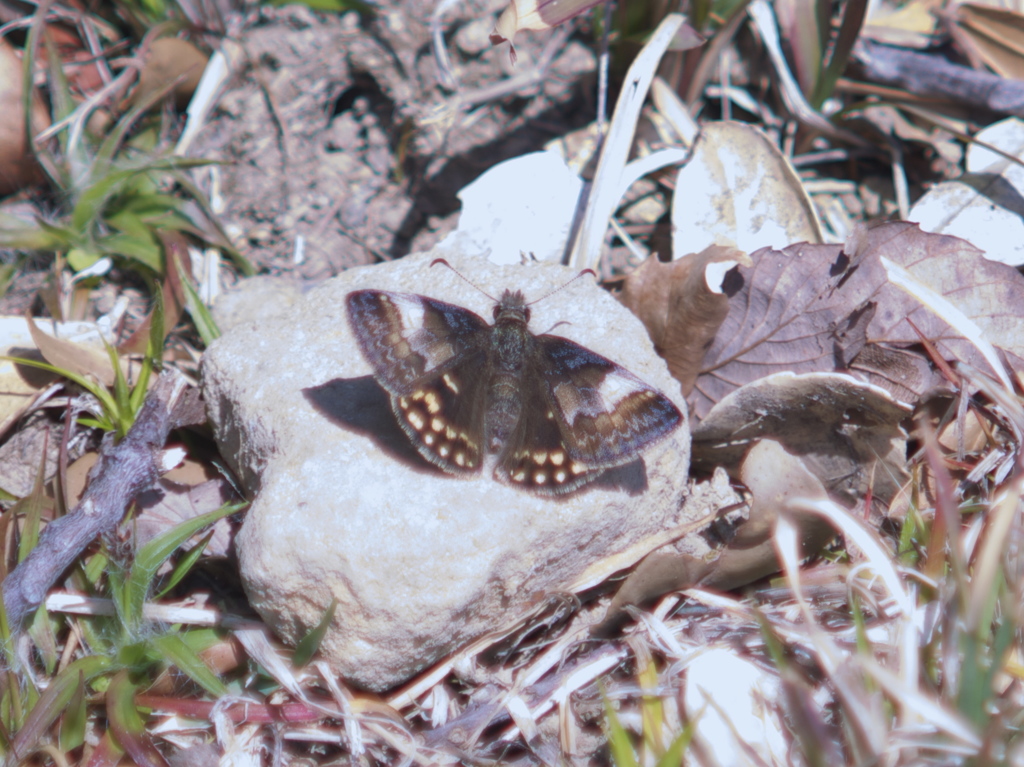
(338, 130)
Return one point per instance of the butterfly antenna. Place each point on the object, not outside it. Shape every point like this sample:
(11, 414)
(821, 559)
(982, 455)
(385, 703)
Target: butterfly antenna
(563, 286)
(464, 277)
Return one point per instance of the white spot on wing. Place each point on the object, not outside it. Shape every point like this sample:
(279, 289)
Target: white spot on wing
(410, 311)
(615, 388)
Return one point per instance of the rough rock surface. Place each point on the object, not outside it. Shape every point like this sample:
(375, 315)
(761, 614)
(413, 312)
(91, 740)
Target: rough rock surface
(420, 562)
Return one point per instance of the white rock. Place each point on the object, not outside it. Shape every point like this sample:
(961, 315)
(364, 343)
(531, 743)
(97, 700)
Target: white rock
(522, 205)
(420, 562)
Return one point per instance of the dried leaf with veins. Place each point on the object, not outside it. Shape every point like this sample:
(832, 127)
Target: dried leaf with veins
(800, 310)
(682, 305)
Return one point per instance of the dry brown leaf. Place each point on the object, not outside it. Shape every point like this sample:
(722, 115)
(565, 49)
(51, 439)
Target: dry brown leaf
(67, 355)
(846, 432)
(738, 188)
(18, 166)
(534, 14)
(169, 503)
(774, 477)
(800, 309)
(168, 59)
(679, 309)
(680, 564)
(992, 35)
(77, 477)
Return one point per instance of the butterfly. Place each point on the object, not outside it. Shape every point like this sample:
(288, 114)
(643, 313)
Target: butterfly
(548, 414)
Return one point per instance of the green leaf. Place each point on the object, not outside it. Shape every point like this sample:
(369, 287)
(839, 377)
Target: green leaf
(43, 631)
(309, 644)
(7, 275)
(138, 395)
(135, 655)
(674, 755)
(201, 316)
(854, 12)
(19, 235)
(144, 205)
(95, 567)
(128, 222)
(335, 6)
(80, 259)
(72, 727)
(149, 557)
(93, 198)
(61, 99)
(104, 425)
(208, 227)
(32, 507)
(127, 726)
(100, 393)
(105, 154)
(64, 236)
(124, 415)
(185, 565)
(55, 699)
(618, 739)
(137, 247)
(174, 649)
(199, 640)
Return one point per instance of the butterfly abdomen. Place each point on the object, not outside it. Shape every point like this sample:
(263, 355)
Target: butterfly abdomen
(509, 350)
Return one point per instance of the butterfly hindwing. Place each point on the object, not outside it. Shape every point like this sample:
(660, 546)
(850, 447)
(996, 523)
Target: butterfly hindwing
(536, 457)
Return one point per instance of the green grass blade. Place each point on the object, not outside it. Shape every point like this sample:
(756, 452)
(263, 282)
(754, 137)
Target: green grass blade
(309, 644)
(673, 757)
(138, 395)
(72, 728)
(213, 232)
(17, 235)
(155, 553)
(32, 505)
(55, 699)
(619, 743)
(157, 331)
(185, 565)
(127, 726)
(854, 13)
(175, 650)
(140, 248)
(123, 416)
(96, 390)
(201, 316)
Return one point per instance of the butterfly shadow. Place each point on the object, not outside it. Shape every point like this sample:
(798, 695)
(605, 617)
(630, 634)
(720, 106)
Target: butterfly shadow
(363, 406)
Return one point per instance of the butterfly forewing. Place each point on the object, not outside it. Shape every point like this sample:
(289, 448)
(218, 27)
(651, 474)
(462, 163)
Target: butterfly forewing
(406, 337)
(423, 354)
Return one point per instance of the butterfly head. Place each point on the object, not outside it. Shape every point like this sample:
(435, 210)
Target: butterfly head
(512, 308)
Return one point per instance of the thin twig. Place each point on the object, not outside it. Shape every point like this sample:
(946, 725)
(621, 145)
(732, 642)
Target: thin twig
(122, 472)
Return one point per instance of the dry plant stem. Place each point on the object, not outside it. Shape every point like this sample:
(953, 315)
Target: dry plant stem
(122, 472)
(763, 16)
(927, 75)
